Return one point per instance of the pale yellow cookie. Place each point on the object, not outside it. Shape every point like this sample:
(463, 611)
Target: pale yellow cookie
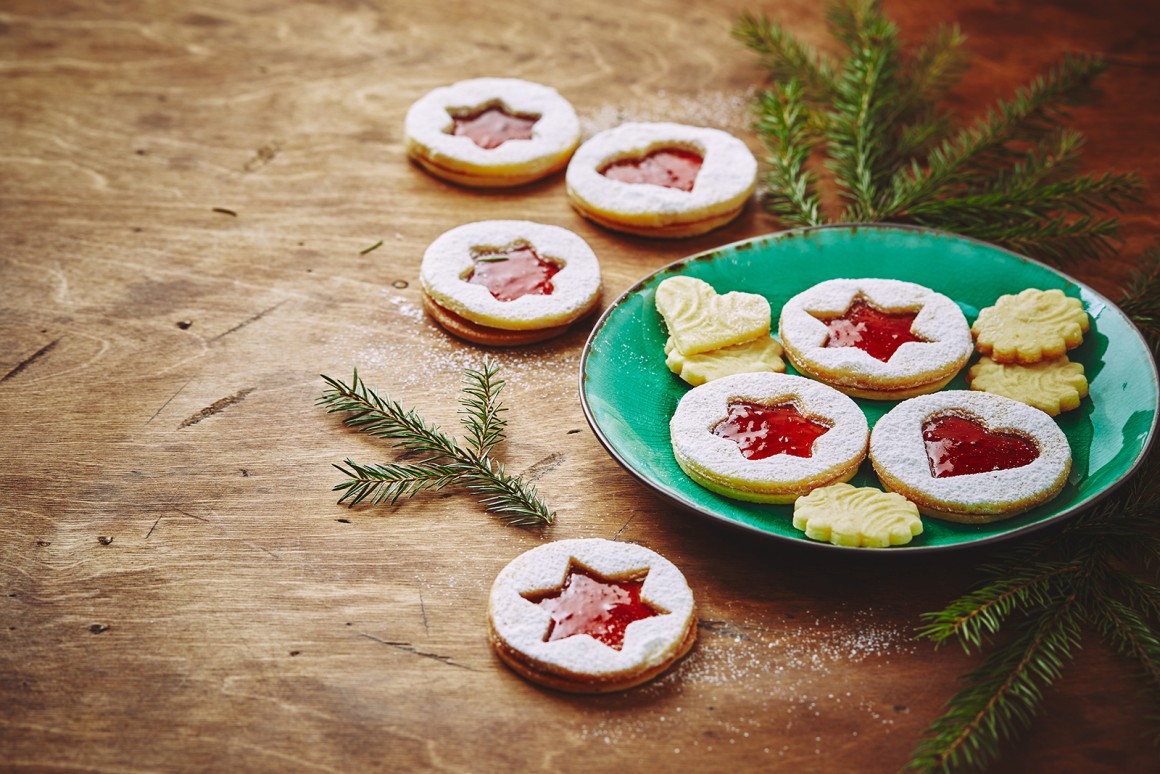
(699, 319)
(846, 515)
(1053, 386)
(1031, 326)
(760, 354)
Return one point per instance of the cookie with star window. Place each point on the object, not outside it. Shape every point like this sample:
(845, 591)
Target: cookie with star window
(492, 132)
(509, 282)
(880, 339)
(591, 615)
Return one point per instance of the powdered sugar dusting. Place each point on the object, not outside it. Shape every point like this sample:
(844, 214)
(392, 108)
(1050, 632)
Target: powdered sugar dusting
(775, 678)
(731, 111)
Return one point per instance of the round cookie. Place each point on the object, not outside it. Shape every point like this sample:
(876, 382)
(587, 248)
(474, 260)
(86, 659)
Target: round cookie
(591, 615)
(661, 179)
(509, 282)
(492, 132)
(970, 457)
(879, 339)
(1054, 385)
(767, 437)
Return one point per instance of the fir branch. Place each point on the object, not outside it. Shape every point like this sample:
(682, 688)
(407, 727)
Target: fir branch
(1141, 299)
(785, 57)
(973, 155)
(863, 110)
(1003, 694)
(481, 410)
(784, 128)
(511, 498)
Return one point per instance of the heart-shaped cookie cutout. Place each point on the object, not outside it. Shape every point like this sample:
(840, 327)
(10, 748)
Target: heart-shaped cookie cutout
(958, 445)
(668, 167)
(700, 320)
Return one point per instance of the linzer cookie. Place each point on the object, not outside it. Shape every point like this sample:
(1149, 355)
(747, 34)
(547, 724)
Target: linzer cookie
(492, 132)
(591, 615)
(1030, 326)
(857, 516)
(661, 179)
(509, 282)
(767, 437)
(712, 335)
(880, 339)
(969, 456)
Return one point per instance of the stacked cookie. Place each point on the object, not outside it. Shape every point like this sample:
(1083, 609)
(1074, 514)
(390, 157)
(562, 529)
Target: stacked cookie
(1024, 339)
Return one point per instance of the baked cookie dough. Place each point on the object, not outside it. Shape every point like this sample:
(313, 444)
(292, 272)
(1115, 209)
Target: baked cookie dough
(661, 179)
(509, 282)
(591, 615)
(1053, 386)
(1030, 326)
(970, 457)
(767, 437)
(880, 339)
(860, 517)
(492, 132)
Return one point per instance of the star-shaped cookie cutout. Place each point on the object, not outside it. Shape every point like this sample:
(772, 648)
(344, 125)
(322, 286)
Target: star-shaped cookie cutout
(492, 125)
(876, 332)
(590, 604)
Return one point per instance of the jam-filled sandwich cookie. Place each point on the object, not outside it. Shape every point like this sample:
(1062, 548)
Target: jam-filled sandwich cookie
(591, 615)
(970, 457)
(661, 179)
(880, 339)
(509, 282)
(492, 132)
(767, 437)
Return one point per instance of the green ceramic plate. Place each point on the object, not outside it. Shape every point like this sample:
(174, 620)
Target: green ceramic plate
(629, 395)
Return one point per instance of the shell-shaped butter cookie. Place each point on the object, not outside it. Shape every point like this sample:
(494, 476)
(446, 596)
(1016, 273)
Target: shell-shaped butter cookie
(846, 515)
(1053, 386)
(699, 319)
(760, 354)
(1030, 326)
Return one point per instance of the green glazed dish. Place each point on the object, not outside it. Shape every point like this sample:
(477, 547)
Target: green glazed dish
(629, 395)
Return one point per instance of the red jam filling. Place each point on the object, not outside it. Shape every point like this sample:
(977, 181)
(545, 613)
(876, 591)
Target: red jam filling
(763, 431)
(957, 446)
(589, 604)
(877, 333)
(513, 272)
(493, 126)
(668, 167)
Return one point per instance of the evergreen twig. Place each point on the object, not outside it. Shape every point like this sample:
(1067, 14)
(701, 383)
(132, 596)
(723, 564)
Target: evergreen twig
(471, 465)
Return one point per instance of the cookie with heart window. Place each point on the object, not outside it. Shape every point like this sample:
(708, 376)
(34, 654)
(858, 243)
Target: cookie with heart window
(591, 615)
(509, 282)
(661, 179)
(968, 456)
(492, 132)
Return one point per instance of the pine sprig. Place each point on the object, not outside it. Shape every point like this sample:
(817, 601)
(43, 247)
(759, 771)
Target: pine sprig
(895, 155)
(1141, 299)
(447, 462)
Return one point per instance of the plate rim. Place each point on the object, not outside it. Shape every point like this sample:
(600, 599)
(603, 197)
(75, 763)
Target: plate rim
(906, 549)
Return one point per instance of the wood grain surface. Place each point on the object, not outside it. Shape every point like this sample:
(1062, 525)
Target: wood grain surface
(186, 192)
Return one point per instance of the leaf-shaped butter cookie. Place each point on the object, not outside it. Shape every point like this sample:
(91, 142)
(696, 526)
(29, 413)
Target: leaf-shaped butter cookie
(760, 354)
(1053, 386)
(846, 515)
(1031, 326)
(699, 319)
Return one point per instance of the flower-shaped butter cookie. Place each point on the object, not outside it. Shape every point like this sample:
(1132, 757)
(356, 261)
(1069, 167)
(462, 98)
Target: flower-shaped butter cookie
(846, 515)
(760, 354)
(1053, 386)
(1030, 326)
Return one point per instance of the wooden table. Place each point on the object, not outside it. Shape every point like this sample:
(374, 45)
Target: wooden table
(186, 195)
